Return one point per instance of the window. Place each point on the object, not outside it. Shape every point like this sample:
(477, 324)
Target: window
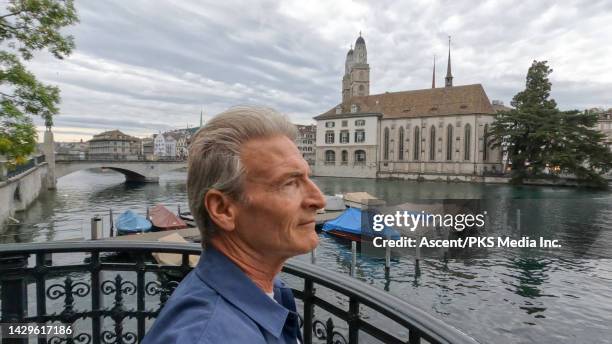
(338, 110)
(360, 122)
(485, 146)
(330, 157)
(330, 124)
(360, 157)
(359, 136)
(417, 142)
(329, 136)
(467, 142)
(432, 143)
(345, 123)
(386, 145)
(400, 151)
(344, 136)
(449, 142)
(354, 108)
(344, 157)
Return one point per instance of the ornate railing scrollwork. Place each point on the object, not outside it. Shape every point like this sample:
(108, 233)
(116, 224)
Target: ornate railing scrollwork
(164, 290)
(69, 289)
(109, 337)
(326, 331)
(118, 312)
(81, 338)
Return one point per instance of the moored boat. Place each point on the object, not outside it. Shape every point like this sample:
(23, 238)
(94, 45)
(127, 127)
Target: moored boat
(353, 224)
(130, 223)
(163, 219)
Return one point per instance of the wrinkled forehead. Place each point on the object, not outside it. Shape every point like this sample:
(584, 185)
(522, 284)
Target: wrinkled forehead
(270, 156)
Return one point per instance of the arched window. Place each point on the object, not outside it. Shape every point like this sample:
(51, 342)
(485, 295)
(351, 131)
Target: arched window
(485, 146)
(386, 145)
(330, 157)
(449, 142)
(361, 88)
(467, 140)
(344, 157)
(400, 138)
(360, 157)
(432, 143)
(417, 142)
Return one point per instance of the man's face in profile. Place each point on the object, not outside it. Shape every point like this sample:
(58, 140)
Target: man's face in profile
(278, 217)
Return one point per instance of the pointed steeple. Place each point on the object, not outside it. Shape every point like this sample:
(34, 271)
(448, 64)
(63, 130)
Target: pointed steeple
(433, 76)
(449, 75)
(201, 118)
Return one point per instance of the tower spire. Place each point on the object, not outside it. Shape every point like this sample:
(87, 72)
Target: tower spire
(433, 76)
(201, 118)
(449, 75)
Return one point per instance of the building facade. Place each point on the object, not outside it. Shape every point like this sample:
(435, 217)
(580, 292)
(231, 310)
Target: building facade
(306, 142)
(432, 133)
(114, 145)
(604, 124)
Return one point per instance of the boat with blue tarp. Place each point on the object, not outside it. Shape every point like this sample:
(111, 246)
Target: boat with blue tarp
(129, 223)
(356, 224)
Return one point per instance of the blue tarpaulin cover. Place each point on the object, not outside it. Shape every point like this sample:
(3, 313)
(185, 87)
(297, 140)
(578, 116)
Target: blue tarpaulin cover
(350, 221)
(130, 222)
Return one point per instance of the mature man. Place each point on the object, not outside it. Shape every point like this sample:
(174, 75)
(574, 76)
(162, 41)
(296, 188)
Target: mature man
(252, 198)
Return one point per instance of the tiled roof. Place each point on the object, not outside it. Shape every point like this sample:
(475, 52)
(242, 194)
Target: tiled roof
(114, 135)
(443, 101)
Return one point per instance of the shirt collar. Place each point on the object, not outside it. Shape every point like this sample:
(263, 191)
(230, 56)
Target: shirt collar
(221, 274)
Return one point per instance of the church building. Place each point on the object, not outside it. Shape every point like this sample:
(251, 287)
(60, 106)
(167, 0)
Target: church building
(435, 133)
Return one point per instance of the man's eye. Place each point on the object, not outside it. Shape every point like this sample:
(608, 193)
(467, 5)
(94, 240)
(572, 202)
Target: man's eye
(291, 182)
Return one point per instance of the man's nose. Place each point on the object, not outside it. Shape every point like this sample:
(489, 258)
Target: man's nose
(314, 197)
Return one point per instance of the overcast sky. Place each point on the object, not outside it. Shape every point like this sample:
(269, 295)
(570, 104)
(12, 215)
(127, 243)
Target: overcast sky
(149, 66)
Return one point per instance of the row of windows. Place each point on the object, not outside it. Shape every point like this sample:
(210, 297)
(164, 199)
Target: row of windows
(344, 123)
(305, 149)
(467, 143)
(359, 136)
(359, 157)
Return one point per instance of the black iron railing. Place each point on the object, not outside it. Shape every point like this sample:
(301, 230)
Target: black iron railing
(107, 307)
(19, 169)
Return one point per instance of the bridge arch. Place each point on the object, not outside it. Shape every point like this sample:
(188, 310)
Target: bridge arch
(134, 171)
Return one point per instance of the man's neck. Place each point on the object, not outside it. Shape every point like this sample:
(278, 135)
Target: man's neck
(259, 268)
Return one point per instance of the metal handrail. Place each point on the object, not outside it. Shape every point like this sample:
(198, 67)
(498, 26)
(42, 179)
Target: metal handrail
(419, 324)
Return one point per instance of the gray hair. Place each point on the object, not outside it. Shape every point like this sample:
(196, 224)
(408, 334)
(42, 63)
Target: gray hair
(214, 156)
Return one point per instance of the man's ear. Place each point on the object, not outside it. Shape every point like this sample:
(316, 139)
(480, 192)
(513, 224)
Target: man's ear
(221, 209)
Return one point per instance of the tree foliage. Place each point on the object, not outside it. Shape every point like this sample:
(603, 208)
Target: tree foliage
(543, 141)
(26, 27)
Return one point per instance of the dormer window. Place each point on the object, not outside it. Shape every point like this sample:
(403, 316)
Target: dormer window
(354, 108)
(338, 110)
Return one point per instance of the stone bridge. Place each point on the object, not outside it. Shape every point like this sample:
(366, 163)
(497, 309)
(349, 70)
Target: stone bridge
(134, 170)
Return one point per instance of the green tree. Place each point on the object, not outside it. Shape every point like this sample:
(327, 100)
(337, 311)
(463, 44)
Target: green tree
(28, 26)
(539, 137)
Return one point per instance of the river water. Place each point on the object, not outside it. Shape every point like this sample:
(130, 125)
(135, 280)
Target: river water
(506, 296)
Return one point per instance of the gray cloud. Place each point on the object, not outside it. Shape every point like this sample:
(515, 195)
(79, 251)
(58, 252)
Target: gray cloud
(146, 66)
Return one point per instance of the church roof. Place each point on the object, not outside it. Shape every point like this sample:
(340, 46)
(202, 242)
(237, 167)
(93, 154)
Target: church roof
(360, 40)
(444, 101)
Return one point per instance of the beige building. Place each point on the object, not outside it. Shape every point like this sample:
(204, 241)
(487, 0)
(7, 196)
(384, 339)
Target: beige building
(305, 141)
(430, 133)
(114, 145)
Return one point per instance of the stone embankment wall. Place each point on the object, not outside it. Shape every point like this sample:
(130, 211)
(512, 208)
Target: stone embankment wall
(18, 192)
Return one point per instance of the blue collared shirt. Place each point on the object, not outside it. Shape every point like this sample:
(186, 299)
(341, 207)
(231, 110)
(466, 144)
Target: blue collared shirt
(218, 303)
